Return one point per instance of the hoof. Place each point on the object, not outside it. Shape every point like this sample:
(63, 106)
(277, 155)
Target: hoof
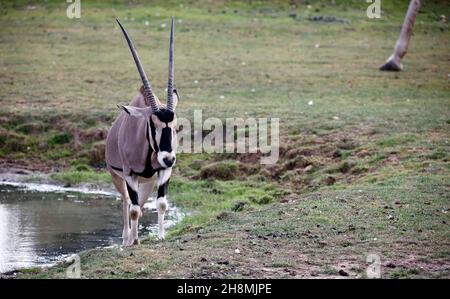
(125, 239)
(391, 66)
(126, 243)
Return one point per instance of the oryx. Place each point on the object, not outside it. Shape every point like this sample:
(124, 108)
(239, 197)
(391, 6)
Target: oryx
(140, 148)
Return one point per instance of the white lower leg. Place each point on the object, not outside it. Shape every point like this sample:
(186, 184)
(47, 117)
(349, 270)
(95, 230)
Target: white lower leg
(135, 214)
(161, 205)
(126, 221)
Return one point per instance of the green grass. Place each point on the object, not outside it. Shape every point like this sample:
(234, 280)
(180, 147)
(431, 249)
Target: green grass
(211, 200)
(313, 235)
(369, 140)
(73, 177)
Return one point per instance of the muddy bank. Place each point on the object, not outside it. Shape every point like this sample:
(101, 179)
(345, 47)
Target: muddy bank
(21, 176)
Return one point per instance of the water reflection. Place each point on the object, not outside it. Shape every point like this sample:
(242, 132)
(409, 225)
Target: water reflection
(38, 228)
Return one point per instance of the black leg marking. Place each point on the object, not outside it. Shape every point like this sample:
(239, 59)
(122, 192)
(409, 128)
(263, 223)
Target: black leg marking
(162, 190)
(133, 195)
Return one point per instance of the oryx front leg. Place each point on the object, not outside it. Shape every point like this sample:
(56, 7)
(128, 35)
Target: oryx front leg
(145, 189)
(135, 214)
(126, 220)
(120, 185)
(161, 205)
(161, 201)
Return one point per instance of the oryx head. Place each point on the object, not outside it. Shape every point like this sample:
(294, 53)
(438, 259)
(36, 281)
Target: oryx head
(161, 120)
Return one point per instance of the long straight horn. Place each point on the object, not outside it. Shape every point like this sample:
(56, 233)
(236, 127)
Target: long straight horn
(170, 79)
(149, 96)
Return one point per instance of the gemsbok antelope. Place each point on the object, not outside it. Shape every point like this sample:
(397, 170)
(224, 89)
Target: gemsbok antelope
(140, 148)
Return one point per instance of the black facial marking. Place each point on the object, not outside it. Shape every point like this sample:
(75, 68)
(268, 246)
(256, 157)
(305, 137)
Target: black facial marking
(164, 115)
(133, 195)
(165, 144)
(162, 190)
(147, 135)
(166, 140)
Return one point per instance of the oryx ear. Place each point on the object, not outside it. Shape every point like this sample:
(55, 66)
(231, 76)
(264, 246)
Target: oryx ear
(136, 111)
(176, 97)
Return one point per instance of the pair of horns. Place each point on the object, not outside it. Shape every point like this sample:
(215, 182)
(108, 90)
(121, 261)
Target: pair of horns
(149, 96)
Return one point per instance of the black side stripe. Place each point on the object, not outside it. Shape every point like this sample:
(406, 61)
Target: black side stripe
(116, 168)
(133, 195)
(162, 190)
(147, 173)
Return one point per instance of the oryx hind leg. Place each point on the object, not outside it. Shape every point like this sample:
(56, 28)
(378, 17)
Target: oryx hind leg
(120, 185)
